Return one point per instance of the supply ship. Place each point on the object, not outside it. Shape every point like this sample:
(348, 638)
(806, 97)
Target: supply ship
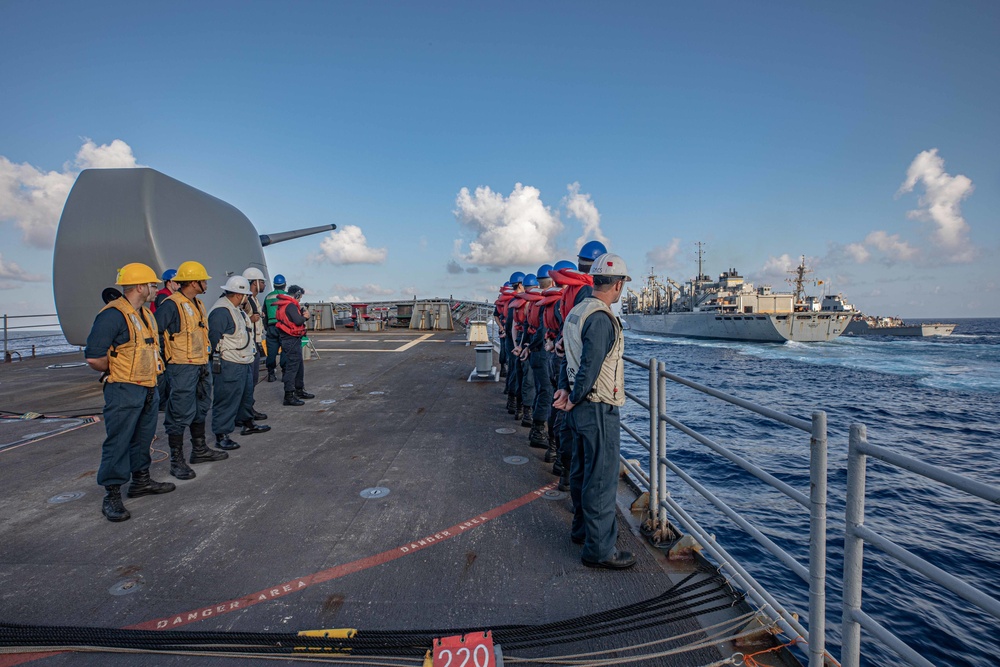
(732, 309)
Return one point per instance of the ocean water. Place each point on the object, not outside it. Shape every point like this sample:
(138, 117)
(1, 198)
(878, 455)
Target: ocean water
(934, 399)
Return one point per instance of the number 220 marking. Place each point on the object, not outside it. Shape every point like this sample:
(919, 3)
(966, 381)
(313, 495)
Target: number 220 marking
(480, 657)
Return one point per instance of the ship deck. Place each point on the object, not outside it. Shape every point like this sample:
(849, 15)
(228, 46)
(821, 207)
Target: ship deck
(281, 536)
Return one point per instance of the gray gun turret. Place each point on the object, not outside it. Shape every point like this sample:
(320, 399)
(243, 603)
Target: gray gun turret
(116, 216)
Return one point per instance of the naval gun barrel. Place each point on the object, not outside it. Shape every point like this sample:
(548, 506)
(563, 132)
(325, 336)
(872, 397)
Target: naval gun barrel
(270, 239)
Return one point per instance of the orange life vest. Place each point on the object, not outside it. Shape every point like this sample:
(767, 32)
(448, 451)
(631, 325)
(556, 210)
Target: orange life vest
(190, 344)
(285, 324)
(136, 361)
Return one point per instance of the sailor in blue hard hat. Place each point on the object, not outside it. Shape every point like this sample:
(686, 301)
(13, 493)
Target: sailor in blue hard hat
(512, 386)
(169, 287)
(271, 336)
(591, 393)
(590, 251)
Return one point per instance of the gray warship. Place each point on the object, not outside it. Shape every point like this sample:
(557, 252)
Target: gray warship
(871, 325)
(732, 309)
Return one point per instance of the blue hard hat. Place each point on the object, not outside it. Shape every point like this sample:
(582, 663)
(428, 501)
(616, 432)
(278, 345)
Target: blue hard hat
(530, 280)
(168, 275)
(279, 280)
(516, 277)
(592, 250)
(506, 284)
(543, 270)
(564, 264)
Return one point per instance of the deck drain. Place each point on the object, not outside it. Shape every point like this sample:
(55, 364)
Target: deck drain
(506, 431)
(375, 492)
(515, 460)
(328, 401)
(127, 586)
(341, 364)
(375, 393)
(552, 494)
(347, 385)
(66, 497)
(74, 364)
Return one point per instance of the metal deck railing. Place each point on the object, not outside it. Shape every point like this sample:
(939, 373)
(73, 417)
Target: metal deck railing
(654, 479)
(857, 534)
(31, 344)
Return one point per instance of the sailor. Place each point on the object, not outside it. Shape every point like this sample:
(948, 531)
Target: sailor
(292, 327)
(169, 287)
(253, 309)
(525, 380)
(123, 345)
(538, 361)
(184, 327)
(592, 392)
(499, 313)
(512, 386)
(271, 327)
(233, 352)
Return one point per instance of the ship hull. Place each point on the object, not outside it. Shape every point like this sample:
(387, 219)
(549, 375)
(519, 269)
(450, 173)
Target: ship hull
(769, 328)
(912, 330)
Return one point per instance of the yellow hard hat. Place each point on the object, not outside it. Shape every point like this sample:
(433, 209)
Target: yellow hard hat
(191, 271)
(136, 274)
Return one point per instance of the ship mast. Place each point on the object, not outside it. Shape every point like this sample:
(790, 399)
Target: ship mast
(800, 275)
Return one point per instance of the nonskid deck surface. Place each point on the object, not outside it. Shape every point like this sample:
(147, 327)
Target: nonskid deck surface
(279, 538)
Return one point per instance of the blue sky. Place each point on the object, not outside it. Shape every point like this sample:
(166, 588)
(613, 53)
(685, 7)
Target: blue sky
(861, 135)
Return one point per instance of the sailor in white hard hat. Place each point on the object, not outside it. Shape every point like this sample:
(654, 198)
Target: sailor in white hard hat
(233, 352)
(591, 393)
(252, 308)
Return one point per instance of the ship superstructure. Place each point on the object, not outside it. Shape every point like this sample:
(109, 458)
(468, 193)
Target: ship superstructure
(732, 309)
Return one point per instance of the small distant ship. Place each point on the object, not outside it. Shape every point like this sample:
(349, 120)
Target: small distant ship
(869, 325)
(732, 309)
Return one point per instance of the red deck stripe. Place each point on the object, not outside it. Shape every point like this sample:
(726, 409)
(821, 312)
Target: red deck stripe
(301, 583)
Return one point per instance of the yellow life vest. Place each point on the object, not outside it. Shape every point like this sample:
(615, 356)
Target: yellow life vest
(190, 344)
(136, 361)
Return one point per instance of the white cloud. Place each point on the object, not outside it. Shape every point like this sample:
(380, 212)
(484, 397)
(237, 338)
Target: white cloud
(665, 257)
(454, 267)
(348, 245)
(891, 246)
(940, 203)
(581, 207)
(12, 271)
(376, 290)
(779, 266)
(518, 229)
(858, 252)
(348, 293)
(343, 298)
(33, 199)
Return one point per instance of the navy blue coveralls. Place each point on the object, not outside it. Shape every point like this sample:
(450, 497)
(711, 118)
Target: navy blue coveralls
(190, 384)
(539, 363)
(232, 399)
(129, 409)
(562, 427)
(512, 385)
(596, 441)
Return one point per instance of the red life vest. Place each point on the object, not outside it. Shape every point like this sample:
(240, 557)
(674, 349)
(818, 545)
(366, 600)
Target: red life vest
(550, 316)
(532, 298)
(285, 324)
(503, 302)
(572, 281)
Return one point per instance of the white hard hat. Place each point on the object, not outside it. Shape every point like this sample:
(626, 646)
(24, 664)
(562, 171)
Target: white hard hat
(610, 264)
(237, 285)
(253, 274)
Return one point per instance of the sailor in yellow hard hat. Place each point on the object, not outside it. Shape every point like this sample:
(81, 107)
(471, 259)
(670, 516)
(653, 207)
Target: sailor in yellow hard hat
(184, 327)
(123, 345)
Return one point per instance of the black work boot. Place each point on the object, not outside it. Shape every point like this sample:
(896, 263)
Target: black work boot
(290, 399)
(143, 485)
(302, 393)
(552, 453)
(538, 438)
(564, 480)
(518, 408)
(259, 416)
(178, 467)
(112, 507)
(200, 453)
(270, 375)
(511, 403)
(223, 441)
(526, 420)
(249, 428)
